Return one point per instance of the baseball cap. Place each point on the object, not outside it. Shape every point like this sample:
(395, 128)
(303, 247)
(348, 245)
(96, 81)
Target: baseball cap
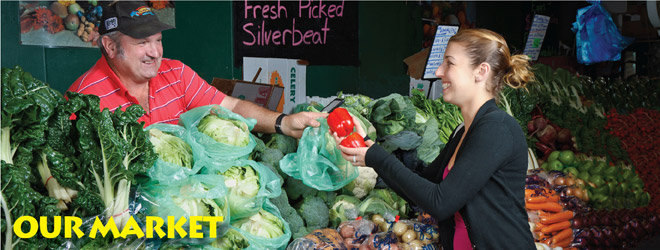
(133, 18)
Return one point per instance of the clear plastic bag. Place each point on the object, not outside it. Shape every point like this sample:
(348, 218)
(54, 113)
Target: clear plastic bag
(597, 37)
(355, 232)
(132, 242)
(165, 172)
(215, 150)
(414, 233)
(318, 162)
(319, 239)
(270, 186)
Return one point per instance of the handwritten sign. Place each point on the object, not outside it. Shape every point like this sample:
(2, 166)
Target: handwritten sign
(436, 56)
(536, 35)
(320, 32)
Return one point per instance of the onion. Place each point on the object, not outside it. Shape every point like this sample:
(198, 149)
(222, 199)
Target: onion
(578, 193)
(570, 181)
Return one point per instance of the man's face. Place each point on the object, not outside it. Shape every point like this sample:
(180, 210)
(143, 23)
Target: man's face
(139, 59)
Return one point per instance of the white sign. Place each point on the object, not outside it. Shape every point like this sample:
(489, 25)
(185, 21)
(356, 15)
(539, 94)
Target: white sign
(536, 35)
(436, 56)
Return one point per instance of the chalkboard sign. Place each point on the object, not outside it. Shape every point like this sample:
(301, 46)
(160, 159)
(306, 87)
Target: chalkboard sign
(321, 32)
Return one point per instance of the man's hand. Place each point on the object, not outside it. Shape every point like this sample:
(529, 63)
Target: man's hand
(293, 125)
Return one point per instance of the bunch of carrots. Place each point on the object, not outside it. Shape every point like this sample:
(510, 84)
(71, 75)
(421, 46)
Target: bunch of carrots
(553, 227)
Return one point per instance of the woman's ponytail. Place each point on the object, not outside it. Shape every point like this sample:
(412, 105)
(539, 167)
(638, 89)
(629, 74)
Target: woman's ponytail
(519, 72)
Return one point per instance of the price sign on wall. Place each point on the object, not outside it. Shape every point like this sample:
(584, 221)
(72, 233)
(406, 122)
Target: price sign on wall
(321, 32)
(436, 56)
(536, 35)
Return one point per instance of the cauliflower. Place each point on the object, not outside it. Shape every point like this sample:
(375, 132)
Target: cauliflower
(363, 184)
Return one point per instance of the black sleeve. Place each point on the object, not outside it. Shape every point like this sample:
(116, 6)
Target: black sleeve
(484, 150)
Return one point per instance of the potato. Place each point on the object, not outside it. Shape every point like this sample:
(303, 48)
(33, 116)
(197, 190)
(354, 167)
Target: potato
(399, 228)
(415, 245)
(377, 218)
(409, 236)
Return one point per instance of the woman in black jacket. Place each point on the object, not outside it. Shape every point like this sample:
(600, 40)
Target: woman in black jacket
(475, 187)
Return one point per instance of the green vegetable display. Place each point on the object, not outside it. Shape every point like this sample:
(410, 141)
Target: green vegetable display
(114, 148)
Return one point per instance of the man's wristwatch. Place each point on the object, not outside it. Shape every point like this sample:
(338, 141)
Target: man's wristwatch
(278, 124)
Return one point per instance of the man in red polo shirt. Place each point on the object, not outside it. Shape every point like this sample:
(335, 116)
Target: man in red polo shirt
(133, 71)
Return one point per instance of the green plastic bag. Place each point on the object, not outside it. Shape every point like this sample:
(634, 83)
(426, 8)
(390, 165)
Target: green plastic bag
(318, 162)
(257, 242)
(215, 150)
(197, 195)
(165, 172)
(241, 206)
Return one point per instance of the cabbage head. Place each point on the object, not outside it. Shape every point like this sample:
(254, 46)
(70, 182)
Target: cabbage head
(227, 131)
(243, 185)
(262, 224)
(231, 240)
(171, 148)
(196, 206)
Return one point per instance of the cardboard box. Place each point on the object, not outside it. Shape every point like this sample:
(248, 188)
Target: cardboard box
(265, 95)
(417, 63)
(291, 74)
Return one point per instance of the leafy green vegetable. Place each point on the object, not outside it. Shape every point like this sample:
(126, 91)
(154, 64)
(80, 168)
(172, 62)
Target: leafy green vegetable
(262, 224)
(382, 201)
(114, 148)
(231, 240)
(227, 131)
(196, 206)
(392, 114)
(30, 112)
(171, 149)
(242, 182)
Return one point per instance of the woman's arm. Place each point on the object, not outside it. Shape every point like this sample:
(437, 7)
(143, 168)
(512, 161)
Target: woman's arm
(483, 152)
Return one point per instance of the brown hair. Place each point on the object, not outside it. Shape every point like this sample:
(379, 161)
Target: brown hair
(487, 46)
(115, 36)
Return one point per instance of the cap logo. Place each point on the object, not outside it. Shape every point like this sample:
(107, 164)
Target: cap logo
(141, 11)
(111, 23)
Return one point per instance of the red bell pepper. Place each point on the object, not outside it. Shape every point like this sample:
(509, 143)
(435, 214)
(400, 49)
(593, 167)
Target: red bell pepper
(353, 141)
(340, 122)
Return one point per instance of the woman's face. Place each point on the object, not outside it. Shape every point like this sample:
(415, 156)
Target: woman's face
(458, 75)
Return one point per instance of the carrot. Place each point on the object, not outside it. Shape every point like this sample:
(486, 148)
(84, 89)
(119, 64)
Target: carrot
(561, 236)
(546, 206)
(542, 199)
(564, 243)
(547, 242)
(556, 227)
(539, 235)
(557, 217)
(529, 192)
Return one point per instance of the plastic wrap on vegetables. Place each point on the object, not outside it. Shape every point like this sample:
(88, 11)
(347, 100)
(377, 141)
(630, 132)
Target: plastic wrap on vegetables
(223, 134)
